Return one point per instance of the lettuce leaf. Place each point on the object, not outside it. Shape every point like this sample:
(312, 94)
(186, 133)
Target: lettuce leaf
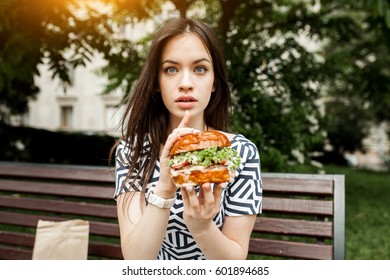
(209, 156)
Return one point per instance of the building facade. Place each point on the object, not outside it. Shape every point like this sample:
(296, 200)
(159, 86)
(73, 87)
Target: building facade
(76, 107)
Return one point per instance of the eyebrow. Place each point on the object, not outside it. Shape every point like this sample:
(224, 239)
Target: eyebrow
(194, 62)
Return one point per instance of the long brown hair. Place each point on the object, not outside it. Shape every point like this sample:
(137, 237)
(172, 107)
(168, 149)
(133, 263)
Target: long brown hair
(146, 114)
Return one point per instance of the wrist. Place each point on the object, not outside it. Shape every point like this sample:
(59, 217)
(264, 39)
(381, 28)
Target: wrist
(164, 190)
(201, 230)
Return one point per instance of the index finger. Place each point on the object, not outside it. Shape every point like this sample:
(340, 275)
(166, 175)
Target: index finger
(185, 120)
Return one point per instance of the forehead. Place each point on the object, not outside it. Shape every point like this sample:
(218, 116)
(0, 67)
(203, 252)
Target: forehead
(187, 45)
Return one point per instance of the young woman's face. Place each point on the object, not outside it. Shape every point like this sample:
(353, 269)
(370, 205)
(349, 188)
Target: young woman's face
(186, 77)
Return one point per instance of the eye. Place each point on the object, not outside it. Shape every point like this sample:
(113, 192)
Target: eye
(200, 69)
(170, 70)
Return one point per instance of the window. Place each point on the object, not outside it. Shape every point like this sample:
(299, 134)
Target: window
(66, 117)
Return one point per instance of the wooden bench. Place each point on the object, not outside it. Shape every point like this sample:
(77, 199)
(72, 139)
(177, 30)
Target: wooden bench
(303, 215)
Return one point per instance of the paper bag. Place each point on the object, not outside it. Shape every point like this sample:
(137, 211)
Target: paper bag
(67, 240)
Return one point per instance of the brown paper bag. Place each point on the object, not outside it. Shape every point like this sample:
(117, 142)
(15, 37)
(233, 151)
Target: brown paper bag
(67, 240)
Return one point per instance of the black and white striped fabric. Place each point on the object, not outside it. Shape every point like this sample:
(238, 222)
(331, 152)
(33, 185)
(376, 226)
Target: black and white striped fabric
(241, 197)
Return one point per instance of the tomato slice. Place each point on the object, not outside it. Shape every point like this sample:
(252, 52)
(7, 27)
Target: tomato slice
(223, 162)
(180, 164)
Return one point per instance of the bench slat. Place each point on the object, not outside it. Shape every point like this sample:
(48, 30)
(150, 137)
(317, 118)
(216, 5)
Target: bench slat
(290, 249)
(301, 186)
(96, 249)
(293, 227)
(21, 219)
(56, 188)
(16, 238)
(14, 254)
(105, 250)
(57, 206)
(60, 172)
(299, 206)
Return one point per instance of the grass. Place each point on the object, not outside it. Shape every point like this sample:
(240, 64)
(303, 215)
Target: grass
(367, 217)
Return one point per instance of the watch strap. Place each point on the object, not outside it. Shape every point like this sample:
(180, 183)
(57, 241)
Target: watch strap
(160, 202)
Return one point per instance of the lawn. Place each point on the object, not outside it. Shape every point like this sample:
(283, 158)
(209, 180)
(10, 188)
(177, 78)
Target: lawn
(367, 218)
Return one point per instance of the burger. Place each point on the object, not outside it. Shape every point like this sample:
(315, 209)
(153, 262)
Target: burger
(205, 157)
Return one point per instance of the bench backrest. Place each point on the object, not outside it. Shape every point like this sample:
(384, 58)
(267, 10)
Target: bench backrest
(303, 215)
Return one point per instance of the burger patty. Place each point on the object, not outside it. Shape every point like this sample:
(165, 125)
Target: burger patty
(188, 169)
(196, 174)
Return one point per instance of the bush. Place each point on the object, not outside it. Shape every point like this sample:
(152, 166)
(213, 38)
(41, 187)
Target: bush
(43, 146)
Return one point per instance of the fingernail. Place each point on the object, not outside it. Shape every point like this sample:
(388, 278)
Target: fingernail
(189, 188)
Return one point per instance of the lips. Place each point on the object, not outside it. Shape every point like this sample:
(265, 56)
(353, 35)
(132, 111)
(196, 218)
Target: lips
(186, 98)
(186, 102)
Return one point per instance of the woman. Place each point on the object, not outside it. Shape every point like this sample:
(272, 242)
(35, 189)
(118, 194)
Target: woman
(182, 89)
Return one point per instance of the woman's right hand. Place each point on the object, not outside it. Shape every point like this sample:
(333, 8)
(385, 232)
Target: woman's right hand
(165, 187)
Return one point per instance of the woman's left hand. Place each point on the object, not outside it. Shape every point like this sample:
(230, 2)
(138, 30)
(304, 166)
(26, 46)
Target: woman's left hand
(199, 209)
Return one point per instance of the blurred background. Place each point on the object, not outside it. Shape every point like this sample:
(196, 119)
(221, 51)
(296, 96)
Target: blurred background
(310, 83)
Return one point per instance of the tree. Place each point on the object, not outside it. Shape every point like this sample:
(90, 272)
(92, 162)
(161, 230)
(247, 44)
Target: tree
(278, 81)
(275, 81)
(379, 9)
(358, 85)
(62, 33)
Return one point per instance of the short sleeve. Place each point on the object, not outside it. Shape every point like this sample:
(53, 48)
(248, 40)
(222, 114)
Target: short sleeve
(244, 194)
(122, 163)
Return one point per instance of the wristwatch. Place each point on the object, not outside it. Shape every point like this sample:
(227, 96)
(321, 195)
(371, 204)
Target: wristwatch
(159, 201)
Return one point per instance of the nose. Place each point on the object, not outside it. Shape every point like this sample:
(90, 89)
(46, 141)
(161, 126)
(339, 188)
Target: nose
(186, 83)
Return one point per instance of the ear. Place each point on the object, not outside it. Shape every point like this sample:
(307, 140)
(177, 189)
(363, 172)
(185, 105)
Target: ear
(213, 88)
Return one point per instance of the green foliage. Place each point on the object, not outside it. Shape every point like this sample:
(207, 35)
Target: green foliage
(122, 69)
(274, 82)
(346, 122)
(358, 83)
(380, 9)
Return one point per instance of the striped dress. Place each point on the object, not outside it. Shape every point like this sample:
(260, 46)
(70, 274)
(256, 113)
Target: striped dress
(243, 196)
